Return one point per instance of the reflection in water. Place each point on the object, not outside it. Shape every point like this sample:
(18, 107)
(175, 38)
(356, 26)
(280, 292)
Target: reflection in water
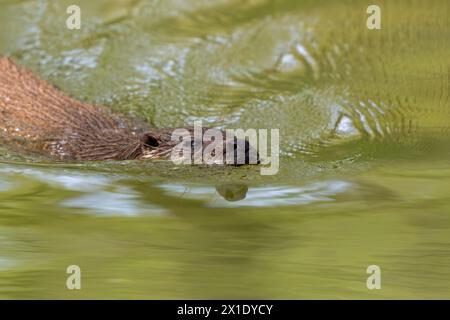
(122, 201)
(94, 193)
(100, 194)
(290, 195)
(69, 179)
(237, 195)
(232, 192)
(183, 239)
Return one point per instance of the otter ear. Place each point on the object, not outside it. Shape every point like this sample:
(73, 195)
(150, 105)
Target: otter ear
(150, 140)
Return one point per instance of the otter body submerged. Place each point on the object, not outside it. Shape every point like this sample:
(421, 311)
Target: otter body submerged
(37, 117)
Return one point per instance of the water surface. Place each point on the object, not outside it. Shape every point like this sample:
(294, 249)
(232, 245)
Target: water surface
(364, 174)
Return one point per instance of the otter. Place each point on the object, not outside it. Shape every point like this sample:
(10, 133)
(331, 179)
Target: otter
(37, 117)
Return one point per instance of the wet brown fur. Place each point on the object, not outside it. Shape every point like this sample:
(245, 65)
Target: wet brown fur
(37, 117)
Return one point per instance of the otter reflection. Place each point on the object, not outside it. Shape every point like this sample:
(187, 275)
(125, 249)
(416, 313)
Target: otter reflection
(232, 191)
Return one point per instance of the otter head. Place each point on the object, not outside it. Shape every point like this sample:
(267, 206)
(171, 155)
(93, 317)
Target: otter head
(184, 148)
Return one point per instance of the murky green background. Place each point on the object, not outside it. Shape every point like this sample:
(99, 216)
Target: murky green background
(364, 177)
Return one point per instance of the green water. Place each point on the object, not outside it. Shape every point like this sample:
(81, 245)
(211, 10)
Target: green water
(364, 176)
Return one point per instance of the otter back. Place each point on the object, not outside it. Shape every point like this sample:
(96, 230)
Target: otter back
(37, 117)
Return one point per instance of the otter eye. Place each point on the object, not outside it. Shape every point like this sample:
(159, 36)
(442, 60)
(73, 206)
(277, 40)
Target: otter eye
(151, 141)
